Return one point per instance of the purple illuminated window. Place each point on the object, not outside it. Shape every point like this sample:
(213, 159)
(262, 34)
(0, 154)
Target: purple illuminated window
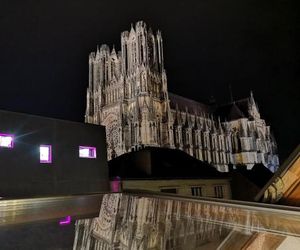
(6, 140)
(65, 221)
(45, 154)
(87, 152)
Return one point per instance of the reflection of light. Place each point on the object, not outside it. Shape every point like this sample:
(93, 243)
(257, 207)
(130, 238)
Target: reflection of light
(45, 154)
(87, 152)
(65, 221)
(6, 141)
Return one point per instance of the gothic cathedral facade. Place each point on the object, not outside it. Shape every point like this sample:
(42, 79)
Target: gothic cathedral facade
(128, 94)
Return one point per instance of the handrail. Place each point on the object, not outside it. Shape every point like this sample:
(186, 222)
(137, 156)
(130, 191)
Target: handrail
(272, 218)
(19, 211)
(218, 201)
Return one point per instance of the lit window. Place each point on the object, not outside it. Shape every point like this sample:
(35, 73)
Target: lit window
(6, 141)
(45, 154)
(87, 152)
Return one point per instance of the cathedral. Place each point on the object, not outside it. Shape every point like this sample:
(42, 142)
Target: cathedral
(128, 94)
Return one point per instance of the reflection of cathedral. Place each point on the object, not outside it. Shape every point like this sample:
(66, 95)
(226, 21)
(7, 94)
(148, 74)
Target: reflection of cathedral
(128, 94)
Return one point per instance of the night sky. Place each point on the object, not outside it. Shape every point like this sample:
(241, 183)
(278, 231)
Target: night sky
(208, 45)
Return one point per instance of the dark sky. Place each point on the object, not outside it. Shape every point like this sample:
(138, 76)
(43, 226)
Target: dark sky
(208, 44)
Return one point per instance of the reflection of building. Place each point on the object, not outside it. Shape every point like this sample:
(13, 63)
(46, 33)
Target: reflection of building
(158, 221)
(128, 94)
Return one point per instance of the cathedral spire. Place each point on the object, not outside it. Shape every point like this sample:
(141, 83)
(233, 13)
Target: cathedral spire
(177, 116)
(132, 31)
(97, 52)
(205, 124)
(252, 101)
(221, 131)
(186, 124)
(113, 51)
(230, 93)
(252, 107)
(214, 129)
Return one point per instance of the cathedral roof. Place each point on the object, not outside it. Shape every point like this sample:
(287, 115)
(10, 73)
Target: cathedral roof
(185, 103)
(233, 111)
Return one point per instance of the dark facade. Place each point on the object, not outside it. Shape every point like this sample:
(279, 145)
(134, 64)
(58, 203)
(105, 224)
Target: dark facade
(246, 184)
(157, 163)
(21, 171)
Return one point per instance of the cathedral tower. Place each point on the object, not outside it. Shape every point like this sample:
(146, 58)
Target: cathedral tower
(127, 91)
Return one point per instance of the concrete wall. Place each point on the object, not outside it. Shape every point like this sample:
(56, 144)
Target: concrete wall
(22, 174)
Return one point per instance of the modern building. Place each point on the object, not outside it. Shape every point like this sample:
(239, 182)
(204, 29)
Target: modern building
(128, 94)
(43, 156)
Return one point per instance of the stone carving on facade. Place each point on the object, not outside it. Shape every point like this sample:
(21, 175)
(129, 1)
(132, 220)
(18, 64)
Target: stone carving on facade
(128, 94)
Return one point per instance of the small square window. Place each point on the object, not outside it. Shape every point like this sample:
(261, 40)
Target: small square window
(87, 152)
(6, 140)
(45, 154)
